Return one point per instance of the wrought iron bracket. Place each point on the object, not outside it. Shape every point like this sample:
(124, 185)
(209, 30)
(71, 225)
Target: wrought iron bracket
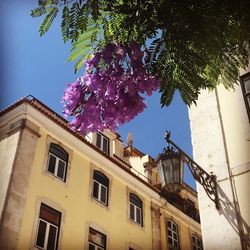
(208, 181)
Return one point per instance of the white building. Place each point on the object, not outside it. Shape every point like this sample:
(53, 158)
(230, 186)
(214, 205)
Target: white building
(220, 132)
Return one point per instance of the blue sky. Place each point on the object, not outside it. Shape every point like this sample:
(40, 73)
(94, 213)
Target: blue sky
(36, 65)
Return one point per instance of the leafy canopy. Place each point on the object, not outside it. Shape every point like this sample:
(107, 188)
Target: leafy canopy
(190, 45)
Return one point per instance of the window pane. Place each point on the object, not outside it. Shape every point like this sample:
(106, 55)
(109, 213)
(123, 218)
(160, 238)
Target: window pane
(248, 100)
(132, 212)
(170, 241)
(105, 145)
(103, 194)
(175, 236)
(168, 171)
(91, 246)
(135, 200)
(41, 233)
(98, 140)
(101, 178)
(52, 163)
(138, 215)
(176, 170)
(61, 169)
(52, 238)
(95, 189)
(198, 242)
(58, 151)
(247, 85)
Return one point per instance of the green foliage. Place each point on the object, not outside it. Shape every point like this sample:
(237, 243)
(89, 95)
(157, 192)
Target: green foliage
(65, 25)
(39, 11)
(82, 44)
(52, 13)
(189, 45)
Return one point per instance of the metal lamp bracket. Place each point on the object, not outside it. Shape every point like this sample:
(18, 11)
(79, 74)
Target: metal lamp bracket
(207, 181)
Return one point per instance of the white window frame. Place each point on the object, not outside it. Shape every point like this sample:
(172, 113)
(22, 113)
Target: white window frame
(100, 186)
(173, 232)
(195, 245)
(97, 247)
(48, 224)
(103, 137)
(56, 166)
(135, 208)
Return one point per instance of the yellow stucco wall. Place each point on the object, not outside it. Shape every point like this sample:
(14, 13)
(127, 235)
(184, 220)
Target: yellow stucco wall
(79, 210)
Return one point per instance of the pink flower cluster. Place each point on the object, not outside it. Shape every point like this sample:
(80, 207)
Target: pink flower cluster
(111, 91)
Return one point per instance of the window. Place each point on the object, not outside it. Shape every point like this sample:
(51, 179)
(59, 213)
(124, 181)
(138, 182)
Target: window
(245, 85)
(48, 228)
(173, 238)
(57, 162)
(97, 240)
(190, 209)
(102, 142)
(100, 187)
(135, 209)
(196, 243)
(190, 203)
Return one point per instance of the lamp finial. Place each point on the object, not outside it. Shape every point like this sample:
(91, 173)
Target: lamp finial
(167, 136)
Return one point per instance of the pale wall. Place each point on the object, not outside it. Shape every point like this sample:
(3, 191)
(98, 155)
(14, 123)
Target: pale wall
(8, 148)
(12, 216)
(220, 138)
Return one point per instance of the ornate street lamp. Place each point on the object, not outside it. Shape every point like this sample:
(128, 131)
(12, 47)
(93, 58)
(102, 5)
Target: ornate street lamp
(171, 163)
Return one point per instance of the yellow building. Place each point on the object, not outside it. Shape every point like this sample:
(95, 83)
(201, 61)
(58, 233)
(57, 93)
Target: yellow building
(61, 190)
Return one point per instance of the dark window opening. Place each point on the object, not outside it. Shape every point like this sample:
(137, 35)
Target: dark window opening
(57, 162)
(245, 86)
(100, 187)
(102, 142)
(48, 228)
(135, 209)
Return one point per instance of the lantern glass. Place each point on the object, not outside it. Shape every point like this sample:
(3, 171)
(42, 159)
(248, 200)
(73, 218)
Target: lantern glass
(170, 167)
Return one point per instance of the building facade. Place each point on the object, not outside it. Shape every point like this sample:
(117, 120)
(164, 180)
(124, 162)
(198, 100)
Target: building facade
(221, 144)
(61, 190)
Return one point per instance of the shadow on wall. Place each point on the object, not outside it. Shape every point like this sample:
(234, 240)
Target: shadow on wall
(231, 213)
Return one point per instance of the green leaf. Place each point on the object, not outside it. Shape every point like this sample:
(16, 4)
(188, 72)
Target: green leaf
(82, 47)
(44, 27)
(85, 37)
(39, 11)
(82, 51)
(79, 64)
(74, 12)
(65, 25)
